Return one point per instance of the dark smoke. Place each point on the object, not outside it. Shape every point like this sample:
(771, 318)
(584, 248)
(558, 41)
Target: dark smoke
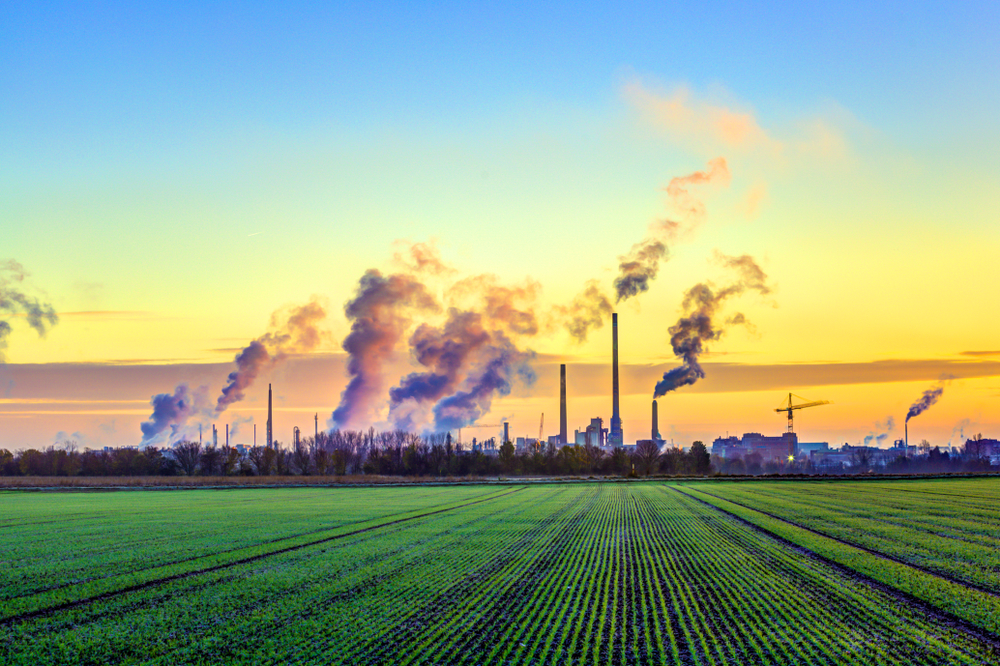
(446, 352)
(471, 358)
(690, 334)
(500, 365)
(172, 411)
(929, 398)
(299, 333)
(588, 310)
(638, 268)
(378, 322)
(40, 316)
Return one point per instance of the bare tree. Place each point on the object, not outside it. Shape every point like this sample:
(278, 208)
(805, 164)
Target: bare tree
(188, 455)
(646, 455)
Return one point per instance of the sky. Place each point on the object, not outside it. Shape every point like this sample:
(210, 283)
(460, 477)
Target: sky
(177, 179)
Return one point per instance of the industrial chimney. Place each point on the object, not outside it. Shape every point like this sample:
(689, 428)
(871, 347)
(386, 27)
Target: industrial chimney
(562, 404)
(506, 432)
(656, 424)
(269, 423)
(615, 436)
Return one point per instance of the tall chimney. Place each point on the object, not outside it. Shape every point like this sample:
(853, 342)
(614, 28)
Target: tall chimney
(227, 435)
(506, 432)
(215, 436)
(562, 404)
(656, 423)
(269, 424)
(615, 436)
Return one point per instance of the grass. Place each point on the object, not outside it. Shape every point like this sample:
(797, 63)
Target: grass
(587, 573)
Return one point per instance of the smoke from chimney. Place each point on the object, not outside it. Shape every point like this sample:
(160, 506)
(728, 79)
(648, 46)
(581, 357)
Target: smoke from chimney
(693, 331)
(378, 315)
(640, 266)
(40, 316)
(929, 398)
(173, 411)
(298, 333)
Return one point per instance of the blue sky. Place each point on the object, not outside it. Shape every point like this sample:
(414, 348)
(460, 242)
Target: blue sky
(142, 144)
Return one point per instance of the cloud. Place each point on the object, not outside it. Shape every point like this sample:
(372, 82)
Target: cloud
(680, 112)
(711, 125)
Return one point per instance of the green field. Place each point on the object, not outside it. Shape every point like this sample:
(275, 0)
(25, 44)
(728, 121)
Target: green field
(842, 572)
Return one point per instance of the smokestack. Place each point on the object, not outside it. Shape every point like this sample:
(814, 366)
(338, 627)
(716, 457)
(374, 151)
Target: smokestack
(269, 424)
(316, 423)
(656, 423)
(215, 436)
(615, 436)
(562, 404)
(227, 435)
(906, 437)
(506, 432)
(255, 434)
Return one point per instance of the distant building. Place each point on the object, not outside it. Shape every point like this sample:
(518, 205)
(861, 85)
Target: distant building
(596, 434)
(983, 448)
(769, 448)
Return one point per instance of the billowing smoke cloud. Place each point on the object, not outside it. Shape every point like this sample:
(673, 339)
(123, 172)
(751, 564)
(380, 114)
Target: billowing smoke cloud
(697, 327)
(446, 352)
(929, 398)
(173, 411)
(378, 315)
(469, 364)
(40, 316)
(298, 333)
(640, 266)
(588, 310)
(500, 365)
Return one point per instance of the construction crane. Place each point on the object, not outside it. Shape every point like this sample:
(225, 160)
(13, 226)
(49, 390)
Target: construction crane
(787, 406)
(488, 425)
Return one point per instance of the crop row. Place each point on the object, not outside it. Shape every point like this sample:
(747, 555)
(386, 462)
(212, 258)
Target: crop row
(974, 606)
(957, 537)
(582, 574)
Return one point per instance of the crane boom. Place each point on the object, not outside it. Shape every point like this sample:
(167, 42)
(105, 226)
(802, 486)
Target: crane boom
(788, 407)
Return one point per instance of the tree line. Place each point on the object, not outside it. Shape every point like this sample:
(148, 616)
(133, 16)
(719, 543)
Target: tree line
(345, 452)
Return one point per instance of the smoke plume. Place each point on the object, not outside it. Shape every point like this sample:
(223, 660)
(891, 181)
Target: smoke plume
(588, 310)
(173, 411)
(697, 327)
(501, 363)
(378, 315)
(40, 316)
(445, 351)
(507, 307)
(640, 266)
(881, 431)
(929, 398)
(298, 333)
(471, 358)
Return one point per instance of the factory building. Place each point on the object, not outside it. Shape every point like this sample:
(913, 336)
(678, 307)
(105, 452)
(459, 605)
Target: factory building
(769, 448)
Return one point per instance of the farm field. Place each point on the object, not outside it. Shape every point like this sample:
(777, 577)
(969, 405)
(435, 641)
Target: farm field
(595, 573)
